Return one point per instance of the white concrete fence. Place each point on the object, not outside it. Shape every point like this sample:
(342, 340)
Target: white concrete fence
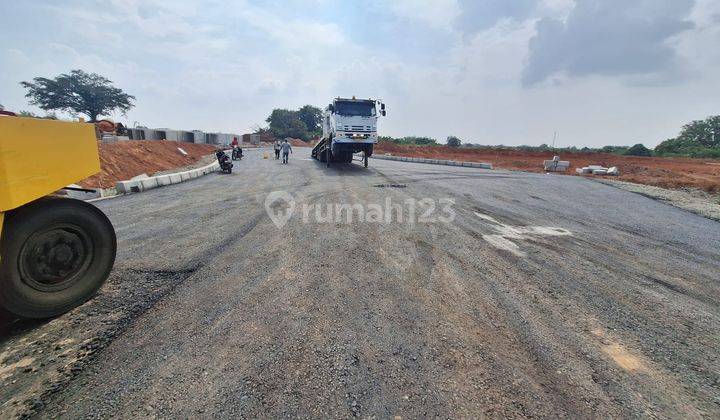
(435, 161)
(144, 184)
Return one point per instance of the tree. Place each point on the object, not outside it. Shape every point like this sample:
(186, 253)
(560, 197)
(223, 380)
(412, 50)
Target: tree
(285, 123)
(638, 150)
(78, 92)
(703, 132)
(311, 116)
(453, 141)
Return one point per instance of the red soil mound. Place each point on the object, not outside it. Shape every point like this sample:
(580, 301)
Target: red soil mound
(126, 159)
(662, 172)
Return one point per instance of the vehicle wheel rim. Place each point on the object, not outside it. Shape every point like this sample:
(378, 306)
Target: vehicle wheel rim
(55, 258)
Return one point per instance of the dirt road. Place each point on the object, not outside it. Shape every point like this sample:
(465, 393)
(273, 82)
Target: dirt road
(544, 296)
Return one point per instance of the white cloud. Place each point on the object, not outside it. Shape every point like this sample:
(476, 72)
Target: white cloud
(439, 14)
(215, 66)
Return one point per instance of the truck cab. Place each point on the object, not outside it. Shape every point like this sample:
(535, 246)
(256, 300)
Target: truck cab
(349, 127)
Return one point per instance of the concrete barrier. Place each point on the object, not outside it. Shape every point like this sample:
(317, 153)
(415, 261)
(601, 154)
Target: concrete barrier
(164, 180)
(127, 187)
(147, 183)
(480, 165)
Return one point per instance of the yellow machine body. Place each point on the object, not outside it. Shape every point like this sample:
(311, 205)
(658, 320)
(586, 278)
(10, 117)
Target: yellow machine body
(39, 157)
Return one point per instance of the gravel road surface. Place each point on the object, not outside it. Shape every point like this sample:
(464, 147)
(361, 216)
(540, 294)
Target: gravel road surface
(545, 295)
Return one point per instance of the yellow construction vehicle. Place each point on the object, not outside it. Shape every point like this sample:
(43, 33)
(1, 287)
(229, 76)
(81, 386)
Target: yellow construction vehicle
(55, 252)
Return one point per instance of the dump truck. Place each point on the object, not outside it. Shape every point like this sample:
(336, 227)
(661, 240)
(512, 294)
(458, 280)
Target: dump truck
(349, 127)
(55, 252)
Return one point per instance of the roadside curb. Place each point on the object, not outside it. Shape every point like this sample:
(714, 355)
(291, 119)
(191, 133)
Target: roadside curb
(149, 183)
(435, 161)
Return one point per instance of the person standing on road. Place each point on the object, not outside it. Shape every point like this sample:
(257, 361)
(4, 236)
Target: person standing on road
(277, 149)
(286, 150)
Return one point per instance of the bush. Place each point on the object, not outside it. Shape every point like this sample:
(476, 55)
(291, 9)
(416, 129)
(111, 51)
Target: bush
(453, 141)
(683, 146)
(638, 150)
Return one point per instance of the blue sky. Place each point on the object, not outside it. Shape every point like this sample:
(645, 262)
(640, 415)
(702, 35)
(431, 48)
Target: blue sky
(489, 71)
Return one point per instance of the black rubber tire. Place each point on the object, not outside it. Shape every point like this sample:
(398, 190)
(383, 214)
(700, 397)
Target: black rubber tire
(17, 294)
(365, 159)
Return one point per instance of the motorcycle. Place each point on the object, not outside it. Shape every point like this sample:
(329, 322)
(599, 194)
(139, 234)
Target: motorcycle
(225, 164)
(237, 153)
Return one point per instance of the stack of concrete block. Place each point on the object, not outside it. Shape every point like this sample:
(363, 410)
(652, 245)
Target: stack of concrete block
(598, 170)
(556, 165)
(112, 138)
(199, 137)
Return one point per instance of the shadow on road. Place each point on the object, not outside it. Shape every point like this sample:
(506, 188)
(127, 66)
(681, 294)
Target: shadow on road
(338, 169)
(12, 326)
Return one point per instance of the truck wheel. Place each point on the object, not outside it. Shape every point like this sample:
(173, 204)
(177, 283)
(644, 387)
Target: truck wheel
(328, 157)
(55, 255)
(365, 159)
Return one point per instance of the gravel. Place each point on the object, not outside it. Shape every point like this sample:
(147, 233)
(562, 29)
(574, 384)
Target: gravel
(238, 318)
(692, 200)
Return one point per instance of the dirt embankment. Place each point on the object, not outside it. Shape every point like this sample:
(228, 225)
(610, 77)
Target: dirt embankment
(702, 174)
(126, 159)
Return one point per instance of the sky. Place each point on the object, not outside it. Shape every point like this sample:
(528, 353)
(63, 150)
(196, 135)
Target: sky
(513, 72)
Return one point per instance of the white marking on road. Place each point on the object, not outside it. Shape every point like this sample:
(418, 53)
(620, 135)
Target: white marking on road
(505, 234)
(501, 242)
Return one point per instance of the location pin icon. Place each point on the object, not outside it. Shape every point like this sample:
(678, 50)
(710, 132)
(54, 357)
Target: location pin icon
(280, 206)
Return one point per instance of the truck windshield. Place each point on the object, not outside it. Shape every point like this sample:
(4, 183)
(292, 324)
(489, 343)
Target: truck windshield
(353, 109)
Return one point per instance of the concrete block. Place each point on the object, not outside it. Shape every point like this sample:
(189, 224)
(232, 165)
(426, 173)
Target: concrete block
(126, 187)
(175, 178)
(593, 167)
(149, 183)
(468, 164)
(184, 175)
(139, 177)
(163, 180)
(613, 171)
(599, 171)
(83, 195)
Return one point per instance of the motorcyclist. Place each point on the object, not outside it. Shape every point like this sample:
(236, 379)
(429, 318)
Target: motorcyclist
(238, 151)
(221, 156)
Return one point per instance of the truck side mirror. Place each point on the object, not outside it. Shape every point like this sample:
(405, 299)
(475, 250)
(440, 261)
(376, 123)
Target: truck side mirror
(382, 106)
(382, 112)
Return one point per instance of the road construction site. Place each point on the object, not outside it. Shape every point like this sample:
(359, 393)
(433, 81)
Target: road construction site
(544, 295)
(664, 172)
